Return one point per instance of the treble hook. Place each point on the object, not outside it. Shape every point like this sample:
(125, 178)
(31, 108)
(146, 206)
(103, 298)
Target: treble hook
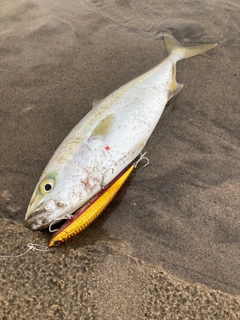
(142, 157)
(103, 175)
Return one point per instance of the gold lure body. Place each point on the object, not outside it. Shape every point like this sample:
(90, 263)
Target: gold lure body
(86, 215)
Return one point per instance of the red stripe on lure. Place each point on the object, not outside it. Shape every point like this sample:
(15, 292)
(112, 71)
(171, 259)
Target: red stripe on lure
(87, 214)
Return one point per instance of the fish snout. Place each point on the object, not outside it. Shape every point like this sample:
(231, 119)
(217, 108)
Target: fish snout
(40, 217)
(37, 223)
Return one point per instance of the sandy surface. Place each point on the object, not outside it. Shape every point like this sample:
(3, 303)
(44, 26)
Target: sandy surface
(168, 247)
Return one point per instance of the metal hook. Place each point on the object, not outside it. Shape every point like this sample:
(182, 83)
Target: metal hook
(142, 157)
(103, 175)
(68, 216)
(50, 227)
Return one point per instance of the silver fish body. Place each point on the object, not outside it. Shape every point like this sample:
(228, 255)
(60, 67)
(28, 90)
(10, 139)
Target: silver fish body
(105, 141)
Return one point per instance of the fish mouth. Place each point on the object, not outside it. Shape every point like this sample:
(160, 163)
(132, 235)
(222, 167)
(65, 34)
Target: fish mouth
(38, 223)
(42, 216)
(46, 215)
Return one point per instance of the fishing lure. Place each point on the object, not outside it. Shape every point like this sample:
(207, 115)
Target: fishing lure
(87, 214)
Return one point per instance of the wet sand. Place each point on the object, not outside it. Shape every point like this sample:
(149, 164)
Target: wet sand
(168, 247)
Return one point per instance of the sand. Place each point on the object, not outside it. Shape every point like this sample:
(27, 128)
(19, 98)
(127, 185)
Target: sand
(168, 247)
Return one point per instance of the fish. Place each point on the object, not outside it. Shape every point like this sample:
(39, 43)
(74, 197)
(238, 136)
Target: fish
(107, 139)
(91, 210)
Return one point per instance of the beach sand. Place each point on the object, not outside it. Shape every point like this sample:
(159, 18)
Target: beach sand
(168, 247)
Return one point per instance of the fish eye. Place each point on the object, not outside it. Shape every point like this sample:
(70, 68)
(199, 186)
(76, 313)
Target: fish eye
(46, 186)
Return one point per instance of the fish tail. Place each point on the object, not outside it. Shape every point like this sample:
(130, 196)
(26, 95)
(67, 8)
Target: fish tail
(179, 52)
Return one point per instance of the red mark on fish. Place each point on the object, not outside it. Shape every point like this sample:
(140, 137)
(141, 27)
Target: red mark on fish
(85, 182)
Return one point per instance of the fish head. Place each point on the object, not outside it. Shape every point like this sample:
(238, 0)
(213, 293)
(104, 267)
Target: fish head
(48, 202)
(59, 193)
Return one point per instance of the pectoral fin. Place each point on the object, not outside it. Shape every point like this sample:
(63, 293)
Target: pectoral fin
(175, 87)
(103, 127)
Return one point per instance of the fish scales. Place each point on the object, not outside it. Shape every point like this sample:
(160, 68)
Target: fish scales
(106, 140)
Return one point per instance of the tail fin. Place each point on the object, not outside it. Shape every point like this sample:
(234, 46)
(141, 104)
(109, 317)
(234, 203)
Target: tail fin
(174, 47)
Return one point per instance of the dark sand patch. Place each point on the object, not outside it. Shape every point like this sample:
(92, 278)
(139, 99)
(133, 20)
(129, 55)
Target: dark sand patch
(55, 57)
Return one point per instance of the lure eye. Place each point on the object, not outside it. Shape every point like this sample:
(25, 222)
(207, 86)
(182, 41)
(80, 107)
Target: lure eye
(56, 243)
(46, 186)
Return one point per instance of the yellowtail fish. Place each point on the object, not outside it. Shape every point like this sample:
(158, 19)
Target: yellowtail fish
(86, 215)
(106, 140)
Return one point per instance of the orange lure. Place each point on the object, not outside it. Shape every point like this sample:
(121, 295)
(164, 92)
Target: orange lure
(87, 214)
